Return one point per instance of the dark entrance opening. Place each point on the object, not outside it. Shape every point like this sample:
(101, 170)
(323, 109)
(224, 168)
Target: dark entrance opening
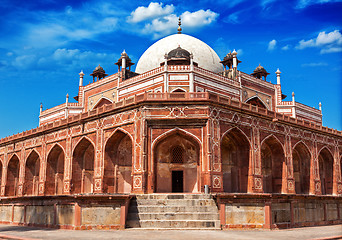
(177, 181)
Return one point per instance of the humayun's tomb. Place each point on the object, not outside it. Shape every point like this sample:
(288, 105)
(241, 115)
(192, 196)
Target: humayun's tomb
(187, 140)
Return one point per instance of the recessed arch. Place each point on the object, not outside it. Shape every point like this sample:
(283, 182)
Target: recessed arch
(119, 129)
(12, 180)
(178, 90)
(235, 154)
(272, 136)
(80, 140)
(172, 131)
(102, 101)
(171, 176)
(301, 159)
(83, 167)
(272, 164)
(32, 166)
(256, 101)
(55, 170)
(118, 161)
(326, 164)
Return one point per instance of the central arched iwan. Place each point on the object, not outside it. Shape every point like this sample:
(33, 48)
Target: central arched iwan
(83, 167)
(118, 164)
(235, 154)
(176, 163)
(272, 164)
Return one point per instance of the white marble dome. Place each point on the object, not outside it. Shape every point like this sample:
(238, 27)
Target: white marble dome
(204, 55)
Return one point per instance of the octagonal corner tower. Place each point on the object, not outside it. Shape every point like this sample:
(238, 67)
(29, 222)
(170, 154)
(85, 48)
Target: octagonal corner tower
(203, 54)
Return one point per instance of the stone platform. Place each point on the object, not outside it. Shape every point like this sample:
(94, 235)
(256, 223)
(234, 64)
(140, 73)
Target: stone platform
(171, 211)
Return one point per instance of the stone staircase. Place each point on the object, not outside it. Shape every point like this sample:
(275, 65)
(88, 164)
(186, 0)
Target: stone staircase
(173, 211)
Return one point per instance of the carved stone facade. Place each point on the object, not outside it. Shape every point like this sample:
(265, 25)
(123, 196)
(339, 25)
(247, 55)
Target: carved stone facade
(128, 149)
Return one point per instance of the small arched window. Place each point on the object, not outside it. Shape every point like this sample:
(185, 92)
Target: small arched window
(177, 154)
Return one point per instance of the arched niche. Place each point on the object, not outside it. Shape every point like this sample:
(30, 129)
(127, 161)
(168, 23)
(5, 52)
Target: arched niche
(235, 154)
(326, 164)
(118, 164)
(32, 174)
(176, 163)
(83, 167)
(301, 158)
(256, 102)
(272, 164)
(12, 176)
(55, 171)
(102, 102)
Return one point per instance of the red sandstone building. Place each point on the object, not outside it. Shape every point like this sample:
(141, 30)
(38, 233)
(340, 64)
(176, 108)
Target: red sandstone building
(184, 119)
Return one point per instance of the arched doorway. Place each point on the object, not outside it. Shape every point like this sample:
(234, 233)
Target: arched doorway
(272, 161)
(235, 161)
(176, 159)
(118, 164)
(326, 163)
(83, 167)
(32, 174)
(55, 171)
(12, 176)
(301, 168)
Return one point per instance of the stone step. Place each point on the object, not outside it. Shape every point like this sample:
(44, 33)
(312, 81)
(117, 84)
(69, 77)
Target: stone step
(174, 209)
(174, 224)
(174, 216)
(173, 196)
(176, 202)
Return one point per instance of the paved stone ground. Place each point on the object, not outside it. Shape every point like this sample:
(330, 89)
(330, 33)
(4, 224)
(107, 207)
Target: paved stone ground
(324, 232)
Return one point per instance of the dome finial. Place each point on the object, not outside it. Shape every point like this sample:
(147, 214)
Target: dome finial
(179, 25)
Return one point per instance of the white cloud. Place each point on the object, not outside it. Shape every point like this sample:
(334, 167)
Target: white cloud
(329, 38)
(271, 45)
(319, 64)
(306, 3)
(198, 18)
(165, 25)
(286, 47)
(161, 26)
(329, 42)
(154, 10)
(331, 50)
(24, 62)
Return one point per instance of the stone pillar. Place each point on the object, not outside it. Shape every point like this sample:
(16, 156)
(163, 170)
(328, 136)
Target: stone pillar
(278, 76)
(214, 152)
(288, 182)
(337, 185)
(98, 161)
(81, 78)
(4, 173)
(67, 165)
(191, 76)
(255, 177)
(138, 172)
(315, 182)
(42, 169)
(21, 182)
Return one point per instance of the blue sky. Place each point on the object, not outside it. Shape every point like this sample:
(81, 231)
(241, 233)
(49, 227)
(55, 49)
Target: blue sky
(45, 43)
